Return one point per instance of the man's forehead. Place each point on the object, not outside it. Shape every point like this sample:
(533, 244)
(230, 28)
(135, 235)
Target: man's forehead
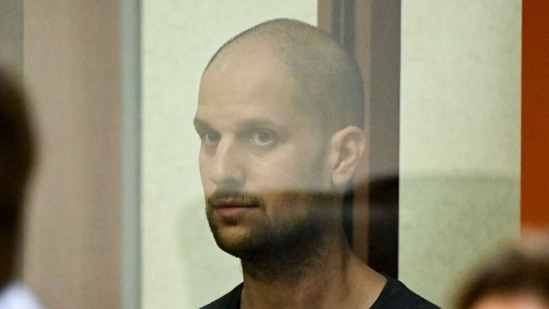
(239, 72)
(251, 50)
(220, 105)
(239, 108)
(253, 72)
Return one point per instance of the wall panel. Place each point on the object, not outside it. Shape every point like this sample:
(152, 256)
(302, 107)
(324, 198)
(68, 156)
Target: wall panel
(460, 138)
(71, 66)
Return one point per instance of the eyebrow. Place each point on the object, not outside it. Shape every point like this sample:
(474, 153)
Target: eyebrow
(258, 123)
(200, 124)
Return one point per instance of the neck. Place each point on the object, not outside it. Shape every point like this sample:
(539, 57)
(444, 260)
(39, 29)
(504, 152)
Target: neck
(333, 278)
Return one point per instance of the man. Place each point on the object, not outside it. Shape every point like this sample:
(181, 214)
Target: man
(16, 160)
(280, 112)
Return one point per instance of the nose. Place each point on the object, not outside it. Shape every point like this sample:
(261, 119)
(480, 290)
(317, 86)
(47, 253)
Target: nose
(227, 168)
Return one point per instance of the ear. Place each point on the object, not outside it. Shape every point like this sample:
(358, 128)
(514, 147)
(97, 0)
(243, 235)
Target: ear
(346, 148)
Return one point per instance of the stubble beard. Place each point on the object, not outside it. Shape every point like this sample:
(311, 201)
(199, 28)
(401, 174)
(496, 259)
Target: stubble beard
(284, 248)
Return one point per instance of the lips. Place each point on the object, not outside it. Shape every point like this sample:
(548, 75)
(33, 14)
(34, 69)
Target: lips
(233, 209)
(233, 204)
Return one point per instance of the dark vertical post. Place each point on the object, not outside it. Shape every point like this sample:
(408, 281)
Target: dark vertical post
(384, 98)
(370, 30)
(342, 29)
(343, 23)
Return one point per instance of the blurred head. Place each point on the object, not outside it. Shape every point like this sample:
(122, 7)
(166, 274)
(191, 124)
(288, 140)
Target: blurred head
(279, 114)
(16, 161)
(518, 279)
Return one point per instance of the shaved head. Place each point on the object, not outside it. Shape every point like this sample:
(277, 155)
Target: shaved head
(326, 81)
(280, 114)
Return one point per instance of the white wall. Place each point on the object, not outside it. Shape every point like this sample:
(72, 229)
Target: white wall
(460, 138)
(181, 265)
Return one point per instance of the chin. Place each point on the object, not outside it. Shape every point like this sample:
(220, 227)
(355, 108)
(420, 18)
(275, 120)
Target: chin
(244, 243)
(237, 247)
(232, 239)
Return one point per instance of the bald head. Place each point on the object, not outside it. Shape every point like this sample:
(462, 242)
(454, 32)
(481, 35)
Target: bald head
(326, 82)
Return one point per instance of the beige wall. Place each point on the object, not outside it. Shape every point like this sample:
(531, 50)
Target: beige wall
(181, 265)
(71, 66)
(460, 138)
(11, 35)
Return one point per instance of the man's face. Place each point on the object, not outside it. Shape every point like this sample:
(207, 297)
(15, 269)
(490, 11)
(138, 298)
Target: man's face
(262, 163)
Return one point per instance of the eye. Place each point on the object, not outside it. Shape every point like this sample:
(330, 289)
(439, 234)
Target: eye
(210, 138)
(262, 138)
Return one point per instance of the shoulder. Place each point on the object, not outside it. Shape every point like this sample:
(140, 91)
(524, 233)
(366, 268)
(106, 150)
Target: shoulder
(230, 300)
(396, 295)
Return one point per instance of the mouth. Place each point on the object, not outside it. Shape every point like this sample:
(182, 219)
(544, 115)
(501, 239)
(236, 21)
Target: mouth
(229, 206)
(232, 203)
(233, 210)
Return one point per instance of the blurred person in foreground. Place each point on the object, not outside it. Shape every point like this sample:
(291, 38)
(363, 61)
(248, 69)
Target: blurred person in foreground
(518, 278)
(280, 116)
(16, 161)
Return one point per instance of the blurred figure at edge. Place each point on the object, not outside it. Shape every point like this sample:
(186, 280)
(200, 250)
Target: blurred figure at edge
(518, 278)
(17, 150)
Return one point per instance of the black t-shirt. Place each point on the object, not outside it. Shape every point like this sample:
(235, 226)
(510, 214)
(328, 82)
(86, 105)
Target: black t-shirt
(394, 295)
(230, 300)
